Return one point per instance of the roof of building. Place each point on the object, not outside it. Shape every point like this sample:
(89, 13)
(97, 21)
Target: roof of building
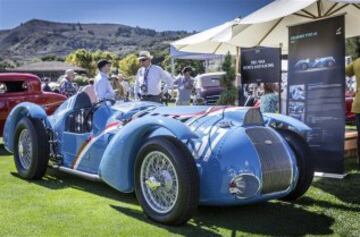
(46, 66)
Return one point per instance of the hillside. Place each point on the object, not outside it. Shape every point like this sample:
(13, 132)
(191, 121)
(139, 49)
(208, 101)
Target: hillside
(38, 38)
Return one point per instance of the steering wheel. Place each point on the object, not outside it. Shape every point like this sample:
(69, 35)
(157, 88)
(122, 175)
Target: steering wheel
(97, 104)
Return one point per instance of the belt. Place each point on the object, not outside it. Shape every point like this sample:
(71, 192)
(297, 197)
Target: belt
(151, 95)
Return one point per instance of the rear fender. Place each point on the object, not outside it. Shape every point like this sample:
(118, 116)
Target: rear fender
(25, 109)
(117, 166)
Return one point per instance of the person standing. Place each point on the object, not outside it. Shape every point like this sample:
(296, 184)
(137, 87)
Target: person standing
(117, 86)
(67, 87)
(354, 70)
(45, 86)
(126, 87)
(90, 91)
(103, 88)
(149, 78)
(185, 86)
(269, 101)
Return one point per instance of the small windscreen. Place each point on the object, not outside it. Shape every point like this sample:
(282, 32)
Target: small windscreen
(14, 86)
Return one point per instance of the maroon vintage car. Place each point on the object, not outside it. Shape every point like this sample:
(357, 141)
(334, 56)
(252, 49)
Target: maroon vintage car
(20, 87)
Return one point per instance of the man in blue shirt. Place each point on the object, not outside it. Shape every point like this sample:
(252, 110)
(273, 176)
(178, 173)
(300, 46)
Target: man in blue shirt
(103, 88)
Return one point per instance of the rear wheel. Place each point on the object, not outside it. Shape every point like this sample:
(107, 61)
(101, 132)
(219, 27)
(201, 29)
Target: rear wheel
(166, 181)
(304, 163)
(31, 151)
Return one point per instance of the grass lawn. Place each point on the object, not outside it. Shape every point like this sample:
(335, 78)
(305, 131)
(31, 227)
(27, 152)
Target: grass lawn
(63, 205)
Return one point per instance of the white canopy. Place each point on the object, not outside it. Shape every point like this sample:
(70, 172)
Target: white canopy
(268, 26)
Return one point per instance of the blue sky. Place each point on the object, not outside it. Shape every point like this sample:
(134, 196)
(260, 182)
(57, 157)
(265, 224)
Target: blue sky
(155, 14)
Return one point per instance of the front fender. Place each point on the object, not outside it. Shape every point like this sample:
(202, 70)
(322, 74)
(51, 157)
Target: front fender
(294, 124)
(25, 109)
(117, 166)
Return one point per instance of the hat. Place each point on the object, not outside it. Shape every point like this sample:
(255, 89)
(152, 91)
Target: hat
(102, 62)
(144, 55)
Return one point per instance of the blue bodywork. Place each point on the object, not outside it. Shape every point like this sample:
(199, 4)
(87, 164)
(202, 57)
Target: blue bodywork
(224, 142)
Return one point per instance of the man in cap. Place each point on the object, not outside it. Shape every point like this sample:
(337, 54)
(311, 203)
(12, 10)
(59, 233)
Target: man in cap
(103, 88)
(149, 78)
(67, 87)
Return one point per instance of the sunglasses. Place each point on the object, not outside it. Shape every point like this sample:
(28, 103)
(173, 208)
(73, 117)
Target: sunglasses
(143, 59)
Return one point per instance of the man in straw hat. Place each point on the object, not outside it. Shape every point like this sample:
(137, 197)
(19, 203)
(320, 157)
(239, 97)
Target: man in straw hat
(149, 78)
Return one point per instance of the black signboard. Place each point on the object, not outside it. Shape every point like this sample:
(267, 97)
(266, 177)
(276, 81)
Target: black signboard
(316, 87)
(260, 65)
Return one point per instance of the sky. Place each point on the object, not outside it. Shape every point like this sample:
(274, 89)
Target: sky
(189, 15)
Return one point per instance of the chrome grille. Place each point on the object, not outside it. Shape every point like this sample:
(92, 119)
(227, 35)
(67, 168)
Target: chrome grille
(275, 161)
(211, 99)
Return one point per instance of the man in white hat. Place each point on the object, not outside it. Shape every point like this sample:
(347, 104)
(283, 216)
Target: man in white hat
(67, 87)
(149, 78)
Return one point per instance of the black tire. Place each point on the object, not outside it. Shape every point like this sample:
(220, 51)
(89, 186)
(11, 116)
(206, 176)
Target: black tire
(188, 180)
(304, 163)
(40, 149)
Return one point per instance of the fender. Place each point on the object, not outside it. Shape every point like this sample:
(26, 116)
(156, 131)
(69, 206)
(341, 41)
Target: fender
(24, 109)
(296, 125)
(117, 166)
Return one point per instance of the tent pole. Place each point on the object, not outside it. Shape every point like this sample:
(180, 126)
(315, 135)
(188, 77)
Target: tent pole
(173, 66)
(330, 9)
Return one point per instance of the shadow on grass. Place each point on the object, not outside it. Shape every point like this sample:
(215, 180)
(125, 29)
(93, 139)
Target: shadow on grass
(271, 218)
(3, 151)
(57, 180)
(347, 190)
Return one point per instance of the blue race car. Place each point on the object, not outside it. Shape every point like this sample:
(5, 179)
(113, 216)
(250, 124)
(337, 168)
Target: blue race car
(325, 62)
(174, 158)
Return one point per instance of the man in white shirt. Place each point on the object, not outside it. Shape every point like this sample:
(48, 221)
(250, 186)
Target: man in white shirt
(103, 88)
(149, 78)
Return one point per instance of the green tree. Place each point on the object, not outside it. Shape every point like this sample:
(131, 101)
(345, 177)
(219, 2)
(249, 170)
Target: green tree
(82, 58)
(129, 65)
(353, 47)
(228, 96)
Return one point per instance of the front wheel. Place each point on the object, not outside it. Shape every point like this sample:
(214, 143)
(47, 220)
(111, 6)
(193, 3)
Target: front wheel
(31, 151)
(166, 181)
(304, 162)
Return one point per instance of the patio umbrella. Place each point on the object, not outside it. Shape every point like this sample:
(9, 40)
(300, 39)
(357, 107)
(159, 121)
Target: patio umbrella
(268, 26)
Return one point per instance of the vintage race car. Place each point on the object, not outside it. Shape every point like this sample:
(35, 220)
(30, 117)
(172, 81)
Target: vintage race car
(174, 158)
(325, 62)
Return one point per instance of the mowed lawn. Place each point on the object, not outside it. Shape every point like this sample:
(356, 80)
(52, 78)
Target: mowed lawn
(63, 205)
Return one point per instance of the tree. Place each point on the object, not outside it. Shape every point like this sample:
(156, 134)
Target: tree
(197, 65)
(353, 47)
(129, 65)
(228, 96)
(82, 58)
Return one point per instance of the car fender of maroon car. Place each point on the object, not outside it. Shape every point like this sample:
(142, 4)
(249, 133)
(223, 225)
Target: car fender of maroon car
(20, 87)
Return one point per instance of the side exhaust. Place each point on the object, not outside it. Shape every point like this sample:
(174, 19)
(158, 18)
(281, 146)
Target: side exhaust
(91, 177)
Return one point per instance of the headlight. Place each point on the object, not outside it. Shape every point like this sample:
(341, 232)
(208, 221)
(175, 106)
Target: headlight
(244, 186)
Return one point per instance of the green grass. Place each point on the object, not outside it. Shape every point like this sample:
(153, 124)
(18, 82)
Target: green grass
(63, 205)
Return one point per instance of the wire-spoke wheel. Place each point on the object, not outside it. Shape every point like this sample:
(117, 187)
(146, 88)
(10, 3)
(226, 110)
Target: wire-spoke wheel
(166, 180)
(31, 153)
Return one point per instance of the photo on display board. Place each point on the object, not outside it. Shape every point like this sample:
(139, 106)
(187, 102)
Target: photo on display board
(297, 110)
(297, 92)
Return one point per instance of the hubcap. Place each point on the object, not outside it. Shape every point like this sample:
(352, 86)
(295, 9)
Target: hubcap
(25, 149)
(159, 182)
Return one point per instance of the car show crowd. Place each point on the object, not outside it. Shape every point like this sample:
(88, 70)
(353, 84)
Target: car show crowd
(152, 83)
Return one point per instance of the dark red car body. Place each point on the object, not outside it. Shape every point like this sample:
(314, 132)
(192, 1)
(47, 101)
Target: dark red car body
(21, 87)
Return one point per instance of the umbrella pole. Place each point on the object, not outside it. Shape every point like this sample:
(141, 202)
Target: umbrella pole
(237, 65)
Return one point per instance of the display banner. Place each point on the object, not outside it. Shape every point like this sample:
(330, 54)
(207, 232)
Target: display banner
(260, 64)
(316, 87)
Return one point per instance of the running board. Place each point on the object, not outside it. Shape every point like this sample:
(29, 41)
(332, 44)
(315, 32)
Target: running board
(91, 177)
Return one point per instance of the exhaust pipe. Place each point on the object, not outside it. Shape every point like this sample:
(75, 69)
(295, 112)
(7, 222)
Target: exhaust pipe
(91, 177)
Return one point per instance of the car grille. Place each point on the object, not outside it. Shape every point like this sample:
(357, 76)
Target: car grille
(211, 99)
(275, 162)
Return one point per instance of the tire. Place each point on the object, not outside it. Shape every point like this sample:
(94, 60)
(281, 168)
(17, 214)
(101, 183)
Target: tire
(35, 165)
(186, 201)
(304, 163)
